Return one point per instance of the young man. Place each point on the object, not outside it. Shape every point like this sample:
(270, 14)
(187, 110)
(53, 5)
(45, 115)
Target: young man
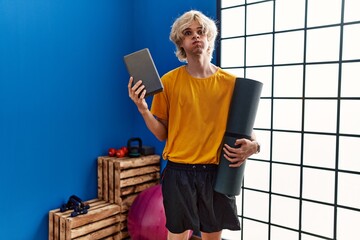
(191, 115)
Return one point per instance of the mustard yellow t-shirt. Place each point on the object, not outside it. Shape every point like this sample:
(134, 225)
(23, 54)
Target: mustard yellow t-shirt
(196, 110)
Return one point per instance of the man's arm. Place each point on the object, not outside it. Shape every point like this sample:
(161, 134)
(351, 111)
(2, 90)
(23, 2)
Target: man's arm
(157, 126)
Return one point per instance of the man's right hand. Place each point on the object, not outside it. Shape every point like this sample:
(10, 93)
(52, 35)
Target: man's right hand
(137, 95)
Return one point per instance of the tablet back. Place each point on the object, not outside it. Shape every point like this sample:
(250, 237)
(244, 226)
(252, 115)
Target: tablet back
(140, 66)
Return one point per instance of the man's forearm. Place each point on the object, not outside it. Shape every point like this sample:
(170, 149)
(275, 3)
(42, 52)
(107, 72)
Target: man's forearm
(154, 125)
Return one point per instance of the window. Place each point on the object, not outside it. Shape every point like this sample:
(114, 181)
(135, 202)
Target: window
(305, 183)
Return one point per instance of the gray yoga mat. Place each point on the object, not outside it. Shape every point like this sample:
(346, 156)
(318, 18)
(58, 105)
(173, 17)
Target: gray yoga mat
(240, 123)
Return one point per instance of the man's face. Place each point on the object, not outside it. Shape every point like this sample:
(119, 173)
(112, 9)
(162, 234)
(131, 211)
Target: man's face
(194, 40)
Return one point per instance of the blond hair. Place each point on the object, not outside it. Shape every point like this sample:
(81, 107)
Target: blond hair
(183, 22)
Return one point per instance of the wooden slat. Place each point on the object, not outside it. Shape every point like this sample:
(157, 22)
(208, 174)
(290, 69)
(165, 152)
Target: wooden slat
(93, 216)
(139, 179)
(101, 233)
(63, 229)
(67, 230)
(140, 161)
(111, 180)
(123, 217)
(51, 223)
(100, 177)
(116, 236)
(117, 182)
(57, 226)
(123, 225)
(105, 180)
(134, 172)
(137, 188)
(88, 228)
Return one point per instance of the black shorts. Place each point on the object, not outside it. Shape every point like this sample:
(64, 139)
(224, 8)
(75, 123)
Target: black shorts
(191, 203)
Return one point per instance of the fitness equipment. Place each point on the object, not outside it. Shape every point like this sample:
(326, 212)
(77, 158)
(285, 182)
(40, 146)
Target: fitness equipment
(134, 150)
(241, 118)
(146, 217)
(75, 203)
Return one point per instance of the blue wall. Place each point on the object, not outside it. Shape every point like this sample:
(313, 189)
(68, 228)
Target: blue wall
(63, 96)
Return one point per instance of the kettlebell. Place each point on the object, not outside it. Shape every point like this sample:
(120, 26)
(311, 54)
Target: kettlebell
(134, 150)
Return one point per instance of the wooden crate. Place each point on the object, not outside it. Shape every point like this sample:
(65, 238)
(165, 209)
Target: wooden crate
(103, 221)
(120, 180)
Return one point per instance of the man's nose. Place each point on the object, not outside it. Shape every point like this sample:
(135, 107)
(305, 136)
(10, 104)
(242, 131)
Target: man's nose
(196, 35)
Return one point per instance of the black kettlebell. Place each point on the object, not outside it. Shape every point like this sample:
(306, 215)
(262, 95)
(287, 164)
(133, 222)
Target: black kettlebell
(134, 150)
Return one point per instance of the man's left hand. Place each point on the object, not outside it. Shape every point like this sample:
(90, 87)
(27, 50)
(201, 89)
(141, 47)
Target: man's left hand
(237, 155)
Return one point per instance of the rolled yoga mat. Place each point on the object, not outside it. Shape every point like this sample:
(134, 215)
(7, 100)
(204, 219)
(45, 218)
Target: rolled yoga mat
(241, 118)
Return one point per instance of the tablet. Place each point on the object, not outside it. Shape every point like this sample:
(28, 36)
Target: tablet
(140, 66)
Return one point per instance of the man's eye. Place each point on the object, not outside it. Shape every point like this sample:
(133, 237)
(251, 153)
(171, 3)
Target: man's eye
(187, 33)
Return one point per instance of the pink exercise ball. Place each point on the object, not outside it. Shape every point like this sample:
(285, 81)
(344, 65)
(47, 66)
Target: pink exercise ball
(146, 217)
